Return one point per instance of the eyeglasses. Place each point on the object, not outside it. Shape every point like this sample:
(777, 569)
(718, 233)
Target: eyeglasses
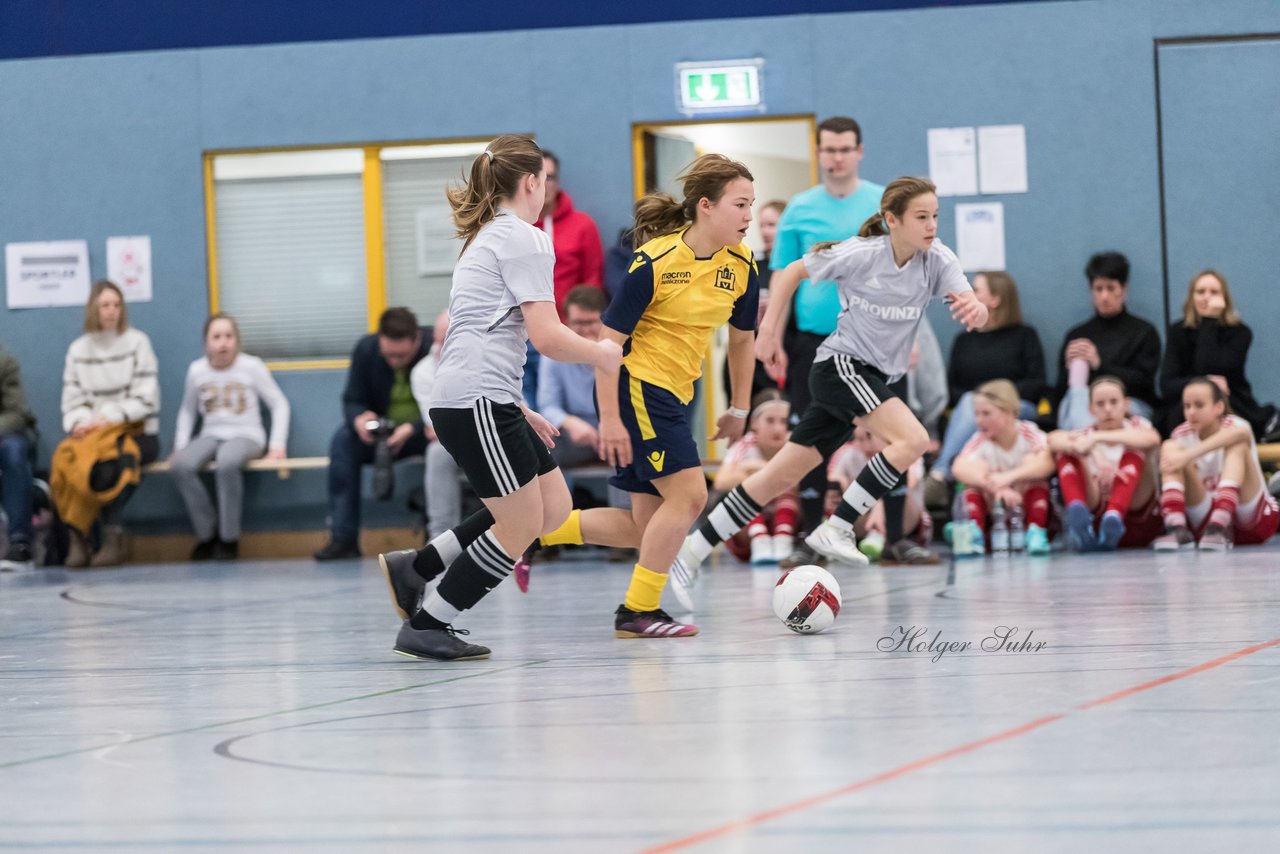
(845, 151)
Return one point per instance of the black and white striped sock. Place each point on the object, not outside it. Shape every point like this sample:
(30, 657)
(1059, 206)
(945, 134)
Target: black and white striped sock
(727, 518)
(872, 484)
(479, 569)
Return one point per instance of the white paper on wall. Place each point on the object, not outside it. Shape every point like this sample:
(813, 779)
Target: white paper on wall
(980, 236)
(129, 266)
(46, 273)
(1002, 158)
(953, 163)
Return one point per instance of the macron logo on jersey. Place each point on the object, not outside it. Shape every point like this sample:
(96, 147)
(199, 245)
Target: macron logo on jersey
(885, 312)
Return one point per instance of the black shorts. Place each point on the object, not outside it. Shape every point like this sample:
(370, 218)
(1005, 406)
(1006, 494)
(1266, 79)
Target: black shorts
(494, 446)
(841, 388)
(661, 429)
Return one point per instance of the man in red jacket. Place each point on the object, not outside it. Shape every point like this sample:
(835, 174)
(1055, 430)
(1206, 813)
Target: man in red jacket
(579, 254)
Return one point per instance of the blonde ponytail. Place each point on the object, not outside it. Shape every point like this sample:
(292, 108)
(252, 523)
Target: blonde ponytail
(495, 175)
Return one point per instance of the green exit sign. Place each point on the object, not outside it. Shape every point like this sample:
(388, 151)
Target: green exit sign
(719, 86)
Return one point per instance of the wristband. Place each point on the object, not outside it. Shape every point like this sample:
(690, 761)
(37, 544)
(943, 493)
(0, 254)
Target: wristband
(738, 413)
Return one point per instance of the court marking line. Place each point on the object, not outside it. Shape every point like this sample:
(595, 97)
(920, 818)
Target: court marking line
(937, 758)
(99, 747)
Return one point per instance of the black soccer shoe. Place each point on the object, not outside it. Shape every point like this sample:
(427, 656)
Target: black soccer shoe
(403, 580)
(437, 644)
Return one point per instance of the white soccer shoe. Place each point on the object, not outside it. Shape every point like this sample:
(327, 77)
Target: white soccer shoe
(684, 576)
(836, 543)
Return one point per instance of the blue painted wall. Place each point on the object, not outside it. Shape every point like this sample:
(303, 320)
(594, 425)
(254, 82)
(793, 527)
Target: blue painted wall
(102, 145)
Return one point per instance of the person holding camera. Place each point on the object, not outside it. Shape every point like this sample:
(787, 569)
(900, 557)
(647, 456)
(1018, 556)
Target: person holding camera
(381, 423)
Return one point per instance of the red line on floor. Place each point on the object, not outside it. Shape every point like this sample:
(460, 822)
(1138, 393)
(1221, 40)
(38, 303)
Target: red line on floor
(902, 770)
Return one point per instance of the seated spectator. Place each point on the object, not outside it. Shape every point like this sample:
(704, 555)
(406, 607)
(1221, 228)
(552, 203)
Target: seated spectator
(441, 477)
(17, 430)
(1112, 342)
(1107, 472)
(110, 409)
(846, 464)
(225, 389)
(770, 536)
(1006, 348)
(1007, 462)
(377, 407)
(1212, 341)
(1213, 495)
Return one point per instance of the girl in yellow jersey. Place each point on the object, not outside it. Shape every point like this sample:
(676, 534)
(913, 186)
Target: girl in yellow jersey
(690, 274)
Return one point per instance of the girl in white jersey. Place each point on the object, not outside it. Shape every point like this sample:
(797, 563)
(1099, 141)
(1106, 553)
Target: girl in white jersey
(224, 389)
(886, 276)
(1213, 493)
(1006, 461)
(1107, 472)
(502, 297)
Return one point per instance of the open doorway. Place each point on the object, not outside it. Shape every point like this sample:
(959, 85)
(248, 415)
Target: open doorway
(778, 150)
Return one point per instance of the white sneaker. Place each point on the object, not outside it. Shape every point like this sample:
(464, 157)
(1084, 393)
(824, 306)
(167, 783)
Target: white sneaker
(836, 543)
(683, 576)
(762, 550)
(782, 546)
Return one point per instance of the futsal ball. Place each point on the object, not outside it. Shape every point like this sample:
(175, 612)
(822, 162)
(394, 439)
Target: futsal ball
(807, 599)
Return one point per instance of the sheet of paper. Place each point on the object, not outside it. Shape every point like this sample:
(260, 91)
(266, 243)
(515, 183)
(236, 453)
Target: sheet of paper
(1002, 158)
(47, 273)
(953, 162)
(129, 266)
(980, 236)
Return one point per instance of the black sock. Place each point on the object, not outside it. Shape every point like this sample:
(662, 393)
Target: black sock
(482, 567)
(436, 556)
(731, 515)
(895, 507)
(875, 481)
(813, 497)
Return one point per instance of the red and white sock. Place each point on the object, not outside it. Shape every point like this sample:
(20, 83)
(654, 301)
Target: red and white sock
(1071, 479)
(976, 504)
(1225, 499)
(1035, 503)
(1173, 505)
(757, 527)
(1128, 473)
(786, 512)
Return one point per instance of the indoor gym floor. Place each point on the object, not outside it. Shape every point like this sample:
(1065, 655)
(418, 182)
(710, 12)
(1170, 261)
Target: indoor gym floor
(258, 707)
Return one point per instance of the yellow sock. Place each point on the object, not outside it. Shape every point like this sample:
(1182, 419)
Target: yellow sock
(568, 534)
(645, 592)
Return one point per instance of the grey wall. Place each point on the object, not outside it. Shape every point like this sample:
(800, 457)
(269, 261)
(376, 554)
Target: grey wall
(102, 145)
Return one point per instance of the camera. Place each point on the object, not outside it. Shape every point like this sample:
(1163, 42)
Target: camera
(384, 479)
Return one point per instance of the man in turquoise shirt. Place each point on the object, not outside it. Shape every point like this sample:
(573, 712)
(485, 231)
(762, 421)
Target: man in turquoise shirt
(833, 210)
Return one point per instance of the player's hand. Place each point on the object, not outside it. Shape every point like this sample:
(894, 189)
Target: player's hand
(1083, 444)
(729, 426)
(999, 480)
(615, 443)
(966, 309)
(769, 351)
(275, 454)
(358, 424)
(1010, 497)
(1173, 460)
(1216, 305)
(609, 356)
(546, 432)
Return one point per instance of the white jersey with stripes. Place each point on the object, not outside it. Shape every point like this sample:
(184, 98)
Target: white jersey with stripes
(881, 304)
(508, 263)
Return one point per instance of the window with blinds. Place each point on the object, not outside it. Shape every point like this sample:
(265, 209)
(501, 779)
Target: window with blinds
(421, 248)
(290, 246)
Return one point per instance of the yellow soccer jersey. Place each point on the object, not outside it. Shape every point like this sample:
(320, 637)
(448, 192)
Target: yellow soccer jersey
(672, 302)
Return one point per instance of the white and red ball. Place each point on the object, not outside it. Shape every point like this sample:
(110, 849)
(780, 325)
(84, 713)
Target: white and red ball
(807, 599)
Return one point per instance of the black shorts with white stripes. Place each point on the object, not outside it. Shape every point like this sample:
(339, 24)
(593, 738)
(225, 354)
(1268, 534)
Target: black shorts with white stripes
(494, 446)
(841, 389)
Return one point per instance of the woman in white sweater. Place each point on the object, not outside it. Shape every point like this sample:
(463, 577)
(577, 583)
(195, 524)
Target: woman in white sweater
(110, 378)
(224, 388)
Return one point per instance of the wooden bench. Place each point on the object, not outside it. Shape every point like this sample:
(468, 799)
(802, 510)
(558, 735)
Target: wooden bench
(283, 468)
(1269, 453)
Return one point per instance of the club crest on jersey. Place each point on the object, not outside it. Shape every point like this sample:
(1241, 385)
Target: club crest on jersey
(725, 278)
(656, 459)
(636, 262)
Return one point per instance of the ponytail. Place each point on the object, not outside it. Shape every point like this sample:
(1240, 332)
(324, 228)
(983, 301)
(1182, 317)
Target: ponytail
(659, 213)
(874, 226)
(896, 199)
(495, 175)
